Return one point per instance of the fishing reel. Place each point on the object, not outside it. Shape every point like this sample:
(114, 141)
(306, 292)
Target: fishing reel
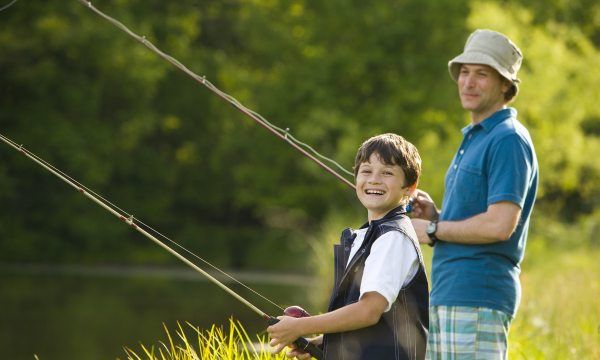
(295, 311)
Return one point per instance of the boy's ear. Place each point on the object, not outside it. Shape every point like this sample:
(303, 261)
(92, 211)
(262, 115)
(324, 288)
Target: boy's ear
(411, 189)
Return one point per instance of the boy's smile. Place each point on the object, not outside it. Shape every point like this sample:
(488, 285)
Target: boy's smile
(379, 186)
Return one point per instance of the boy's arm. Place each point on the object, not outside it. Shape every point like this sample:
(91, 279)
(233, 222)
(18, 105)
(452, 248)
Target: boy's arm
(363, 313)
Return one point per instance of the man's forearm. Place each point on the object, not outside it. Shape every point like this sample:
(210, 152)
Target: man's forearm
(494, 225)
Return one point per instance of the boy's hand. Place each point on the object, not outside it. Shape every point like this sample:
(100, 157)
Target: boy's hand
(301, 354)
(284, 332)
(423, 206)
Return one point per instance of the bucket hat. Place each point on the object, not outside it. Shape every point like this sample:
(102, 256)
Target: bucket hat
(490, 48)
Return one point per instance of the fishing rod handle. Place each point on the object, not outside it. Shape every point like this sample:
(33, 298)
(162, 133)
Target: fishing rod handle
(302, 343)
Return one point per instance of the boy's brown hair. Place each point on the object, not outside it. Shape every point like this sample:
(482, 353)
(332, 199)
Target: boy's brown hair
(392, 150)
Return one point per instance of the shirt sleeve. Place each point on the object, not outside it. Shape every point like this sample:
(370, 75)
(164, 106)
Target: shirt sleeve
(392, 263)
(510, 171)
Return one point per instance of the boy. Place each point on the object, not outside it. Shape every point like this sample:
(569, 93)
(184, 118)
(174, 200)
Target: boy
(379, 305)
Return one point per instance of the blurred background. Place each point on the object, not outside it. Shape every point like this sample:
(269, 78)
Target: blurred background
(77, 284)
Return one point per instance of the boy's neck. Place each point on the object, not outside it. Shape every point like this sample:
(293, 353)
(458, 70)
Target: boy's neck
(371, 216)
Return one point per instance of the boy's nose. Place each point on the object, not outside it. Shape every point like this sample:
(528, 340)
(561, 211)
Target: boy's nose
(374, 180)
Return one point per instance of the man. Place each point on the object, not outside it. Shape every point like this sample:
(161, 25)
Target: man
(480, 233)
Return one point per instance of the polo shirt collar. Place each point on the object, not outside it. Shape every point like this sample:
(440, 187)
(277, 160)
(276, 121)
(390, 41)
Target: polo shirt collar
(495, 119)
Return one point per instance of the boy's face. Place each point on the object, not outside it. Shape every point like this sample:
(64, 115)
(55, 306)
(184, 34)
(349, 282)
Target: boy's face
(380, 187)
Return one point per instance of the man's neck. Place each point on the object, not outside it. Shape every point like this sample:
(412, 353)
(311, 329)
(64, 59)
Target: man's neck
(477, 117)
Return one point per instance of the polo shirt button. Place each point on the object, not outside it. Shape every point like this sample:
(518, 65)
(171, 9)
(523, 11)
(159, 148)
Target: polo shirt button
(461, 151)
(455, 166)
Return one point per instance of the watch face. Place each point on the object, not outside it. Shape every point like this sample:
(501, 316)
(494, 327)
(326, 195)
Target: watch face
(431, 228)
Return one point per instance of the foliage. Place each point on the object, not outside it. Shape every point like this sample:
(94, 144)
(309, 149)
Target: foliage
(104, 109)
(210, 344)
(560, 65)
(558, 317)
(78, 92)
(84, 96)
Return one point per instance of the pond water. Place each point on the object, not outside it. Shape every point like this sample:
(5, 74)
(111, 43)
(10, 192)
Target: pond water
(93, 314)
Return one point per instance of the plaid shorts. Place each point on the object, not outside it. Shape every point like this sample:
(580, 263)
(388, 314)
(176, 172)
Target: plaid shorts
(465, 333)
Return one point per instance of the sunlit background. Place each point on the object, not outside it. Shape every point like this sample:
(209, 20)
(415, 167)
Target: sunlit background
(75, 283)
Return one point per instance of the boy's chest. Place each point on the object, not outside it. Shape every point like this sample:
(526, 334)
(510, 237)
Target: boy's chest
(351, 249)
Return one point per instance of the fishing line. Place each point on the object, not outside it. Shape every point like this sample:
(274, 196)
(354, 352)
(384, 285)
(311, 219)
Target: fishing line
(124, 214)
(7, 6)
(281, 133)
(301, 343)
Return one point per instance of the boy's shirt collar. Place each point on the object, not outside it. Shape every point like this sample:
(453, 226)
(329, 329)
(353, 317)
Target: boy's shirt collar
(399, 210)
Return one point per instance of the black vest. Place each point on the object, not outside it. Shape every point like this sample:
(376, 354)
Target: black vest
(401, 332)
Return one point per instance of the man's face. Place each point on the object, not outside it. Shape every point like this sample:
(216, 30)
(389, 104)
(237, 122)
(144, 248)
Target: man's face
(481, 90)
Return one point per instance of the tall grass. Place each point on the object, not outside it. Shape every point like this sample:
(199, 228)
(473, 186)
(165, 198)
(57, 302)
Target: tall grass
(558, 318)
(212, 344)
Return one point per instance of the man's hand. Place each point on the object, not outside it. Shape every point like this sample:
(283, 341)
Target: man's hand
(420, 226)
(423, 207)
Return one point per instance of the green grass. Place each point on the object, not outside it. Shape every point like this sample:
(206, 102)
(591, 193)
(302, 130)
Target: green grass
(558, 318)
(212, 344)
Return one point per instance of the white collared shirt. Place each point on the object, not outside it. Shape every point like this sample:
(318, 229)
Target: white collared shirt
(392, 264)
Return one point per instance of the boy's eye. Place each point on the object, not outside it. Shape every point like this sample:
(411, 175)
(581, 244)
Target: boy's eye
(365, 171)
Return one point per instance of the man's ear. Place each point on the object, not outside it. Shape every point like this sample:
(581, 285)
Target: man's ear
(506, 84)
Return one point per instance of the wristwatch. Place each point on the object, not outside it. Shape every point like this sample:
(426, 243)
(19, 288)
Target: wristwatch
(431, 230)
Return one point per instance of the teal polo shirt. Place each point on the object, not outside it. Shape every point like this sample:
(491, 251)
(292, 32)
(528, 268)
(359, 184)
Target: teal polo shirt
(496, 162)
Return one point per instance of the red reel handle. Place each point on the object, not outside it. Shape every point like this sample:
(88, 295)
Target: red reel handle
(295, 311)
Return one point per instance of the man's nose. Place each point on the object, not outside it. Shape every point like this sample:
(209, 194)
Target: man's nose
(468, 80)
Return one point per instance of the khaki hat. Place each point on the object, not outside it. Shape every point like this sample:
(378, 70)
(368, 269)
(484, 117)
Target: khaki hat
(490, 48)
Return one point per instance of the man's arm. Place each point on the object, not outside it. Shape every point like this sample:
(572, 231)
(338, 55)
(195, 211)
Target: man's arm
(496, 224)
(365, 312)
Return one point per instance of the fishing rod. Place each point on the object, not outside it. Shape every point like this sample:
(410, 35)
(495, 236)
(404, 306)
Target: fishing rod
(301, 342)
(283, 134)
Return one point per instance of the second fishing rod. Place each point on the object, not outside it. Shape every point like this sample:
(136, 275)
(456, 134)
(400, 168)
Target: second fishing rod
(301, 343)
